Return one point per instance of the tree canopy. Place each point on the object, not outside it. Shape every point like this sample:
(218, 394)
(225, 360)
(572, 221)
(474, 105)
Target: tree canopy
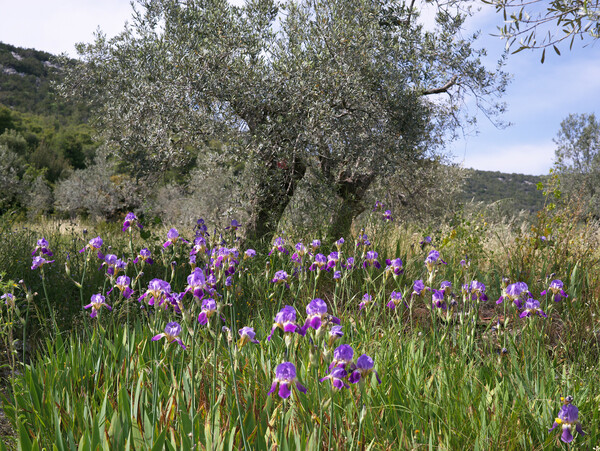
(349, 90)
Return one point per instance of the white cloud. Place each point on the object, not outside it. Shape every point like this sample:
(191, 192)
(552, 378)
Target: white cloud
(533, 158)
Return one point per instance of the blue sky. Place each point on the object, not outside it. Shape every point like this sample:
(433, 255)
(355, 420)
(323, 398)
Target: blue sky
(539, 96)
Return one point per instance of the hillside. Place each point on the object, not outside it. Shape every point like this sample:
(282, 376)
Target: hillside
(491, 186)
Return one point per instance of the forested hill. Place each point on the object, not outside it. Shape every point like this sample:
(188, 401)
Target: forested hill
(491, 186)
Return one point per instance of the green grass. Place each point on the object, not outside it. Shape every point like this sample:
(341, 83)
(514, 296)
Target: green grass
(104, 384)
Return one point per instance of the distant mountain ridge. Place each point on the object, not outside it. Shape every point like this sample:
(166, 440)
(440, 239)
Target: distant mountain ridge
(492, 186)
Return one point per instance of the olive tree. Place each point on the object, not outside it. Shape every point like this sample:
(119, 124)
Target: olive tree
(353, 90)
(578, 159)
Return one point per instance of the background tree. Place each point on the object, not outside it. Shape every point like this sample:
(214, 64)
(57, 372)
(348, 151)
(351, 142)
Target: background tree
(578, 159)
(353, 90)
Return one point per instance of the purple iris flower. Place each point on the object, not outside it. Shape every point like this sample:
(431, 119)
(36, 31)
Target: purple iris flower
(337, 376)
(97, 302)
(279, 246)
(196, 283)
(171, 333)
(199, 246)
(301, 249)
(280, 277)
(419, 288)
(363, 240)
(335, 333)
(349, 263)
(446, 287)
(364, 367)
(532, 307)
(123, 285)
(285, 378)
(333, 259)
(371, 260)
(315, 244)
(144, 256)
(157, 291)
(517, 292)
(426, 240)
(395, 299)
(247, 335)
(250, 253)
(285, 320)
(378, 206)
(173, 237)
(476, 290)
(433, 259)
(94, 245)
(317, 316)
(38, 262)
(342, 356)
(234, 225)
(43, 247)
(319, 263)
(8, 298)
(387, 215)
(556, 288)
(394, 266)
(337, 275)
(209, 308)
(568, 418)
(367, 299)
(437, 298)
(130, 219)
(339, 243)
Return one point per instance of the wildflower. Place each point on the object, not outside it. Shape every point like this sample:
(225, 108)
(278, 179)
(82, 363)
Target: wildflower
(476, 290)
(446, 287)
(437, 298)
(378, 206)
(97, 302)
(425, 241)
(556, 287)
(342, 356)
(364, 367)
(172, 238)
(113, 264)
(123, 286)
(371, 260)
(337, 376)
(171, 333)
(157, 290)
(532, 306)
(337, 275)
(94, 245)
(517, 292)
(433, 259)
(233, 226)
(130, 218)
(367, 299)
(394, 266)
(279, 246)
(333, 259)
(209, 308)
(247, 335)
(285, 378)
(250, 253)
(395, 298)
(301, 249)
(387, 215)
(317, 316)
(196, 283)
(349, 263)
(339, 243)
(200, 227)
(144, 256)
(363, 240)
(284, 320)
(315, 244)
(199, 246)
(280, 277)
(319, 263)
(568, 417)
(9, 298)
(38, 262)
(43, 247)
(335, 333)
(419, 288)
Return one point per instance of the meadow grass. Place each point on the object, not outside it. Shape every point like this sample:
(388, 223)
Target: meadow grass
(474, 375)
